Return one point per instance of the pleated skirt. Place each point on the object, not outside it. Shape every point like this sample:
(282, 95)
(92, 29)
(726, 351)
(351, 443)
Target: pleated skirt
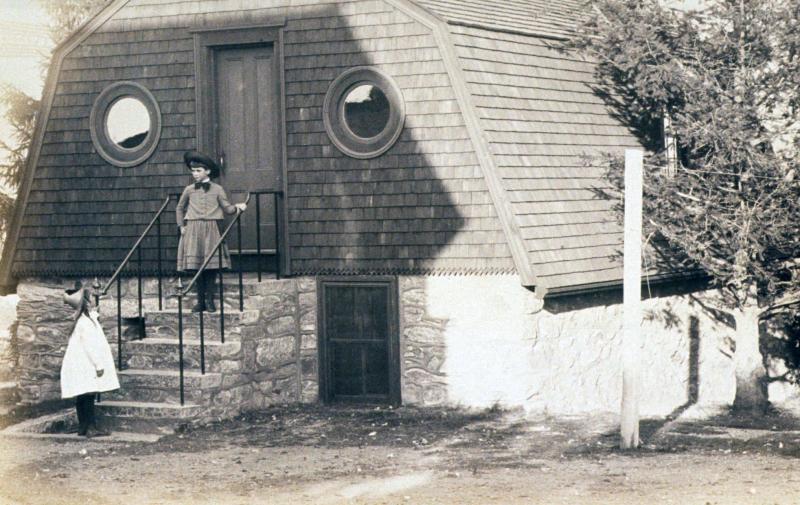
(197, 242)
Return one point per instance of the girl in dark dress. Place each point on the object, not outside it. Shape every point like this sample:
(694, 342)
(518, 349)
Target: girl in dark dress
(200, 208)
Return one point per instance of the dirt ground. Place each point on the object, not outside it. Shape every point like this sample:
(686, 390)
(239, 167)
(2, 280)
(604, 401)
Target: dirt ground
(367, 455)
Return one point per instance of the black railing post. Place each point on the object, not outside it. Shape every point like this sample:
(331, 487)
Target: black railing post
(221, 301)
(241, 285)
(180, 342)
(158, 256)
(258, 235)
(202, 343)
(119, 323)
(277, 199)
(139, 278)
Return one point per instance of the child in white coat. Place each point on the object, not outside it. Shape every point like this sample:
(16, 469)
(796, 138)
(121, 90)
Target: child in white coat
(88, 366)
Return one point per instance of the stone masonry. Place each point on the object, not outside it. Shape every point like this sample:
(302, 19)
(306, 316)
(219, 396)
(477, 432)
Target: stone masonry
(269, 357)
(479, 341)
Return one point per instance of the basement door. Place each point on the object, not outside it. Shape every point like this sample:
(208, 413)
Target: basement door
(359, 346)
(247, 101)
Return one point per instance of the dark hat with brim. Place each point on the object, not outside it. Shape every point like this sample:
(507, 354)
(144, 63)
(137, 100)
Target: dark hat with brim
(197, 158)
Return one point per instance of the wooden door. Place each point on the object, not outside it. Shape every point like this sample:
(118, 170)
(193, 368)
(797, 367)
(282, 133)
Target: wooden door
(248, 134)
(359, 342)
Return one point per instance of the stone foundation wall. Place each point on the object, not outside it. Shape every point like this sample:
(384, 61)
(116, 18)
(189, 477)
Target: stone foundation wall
(282, 355)
(472, 341)
(275, 360)
(480, 341)
(42, 332)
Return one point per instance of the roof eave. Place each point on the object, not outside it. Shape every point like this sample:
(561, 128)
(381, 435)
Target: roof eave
(652, 279)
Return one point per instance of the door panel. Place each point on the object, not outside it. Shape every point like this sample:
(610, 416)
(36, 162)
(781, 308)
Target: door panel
(248, 134)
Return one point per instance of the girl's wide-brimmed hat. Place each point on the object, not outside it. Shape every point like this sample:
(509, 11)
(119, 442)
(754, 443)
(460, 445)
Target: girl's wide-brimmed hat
(74, 296)
(197, 158)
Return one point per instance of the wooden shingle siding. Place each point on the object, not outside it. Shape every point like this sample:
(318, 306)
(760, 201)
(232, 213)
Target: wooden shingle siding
(422, 206)
(83, 214)
(543, 121)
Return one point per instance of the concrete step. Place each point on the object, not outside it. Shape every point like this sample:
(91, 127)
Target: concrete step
(163, 353)
(146, 417)
(163, 386)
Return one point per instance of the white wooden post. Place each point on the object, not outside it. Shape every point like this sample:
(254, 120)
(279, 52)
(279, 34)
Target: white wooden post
(632, 300)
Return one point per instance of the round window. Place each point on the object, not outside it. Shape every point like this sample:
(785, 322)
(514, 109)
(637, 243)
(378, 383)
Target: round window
(363, 112)
(128, 123)
(125, 124)
(366, 110)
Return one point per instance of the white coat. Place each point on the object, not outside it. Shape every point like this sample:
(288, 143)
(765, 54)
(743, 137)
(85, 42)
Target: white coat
(87, 352)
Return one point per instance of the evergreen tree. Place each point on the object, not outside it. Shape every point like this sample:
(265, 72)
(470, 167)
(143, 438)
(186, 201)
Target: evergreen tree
(20, 109)
(728, 77)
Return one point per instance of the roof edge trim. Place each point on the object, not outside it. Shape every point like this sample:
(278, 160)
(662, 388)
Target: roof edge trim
(658, 279)
(43, 116)
(526, 33)
(486, 161)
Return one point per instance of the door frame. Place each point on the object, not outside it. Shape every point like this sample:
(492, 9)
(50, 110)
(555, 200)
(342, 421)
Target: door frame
(393, 316)
(207, 41)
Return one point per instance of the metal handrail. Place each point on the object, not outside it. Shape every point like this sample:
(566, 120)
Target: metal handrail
(116, 277)
(181, 291)
(136, 245)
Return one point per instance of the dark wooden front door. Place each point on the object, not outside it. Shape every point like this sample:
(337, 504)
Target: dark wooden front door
(359, 344)
(247, 102)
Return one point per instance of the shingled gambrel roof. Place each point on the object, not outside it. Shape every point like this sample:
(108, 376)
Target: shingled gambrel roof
(539, 116)
(554, 18)
(529, 114)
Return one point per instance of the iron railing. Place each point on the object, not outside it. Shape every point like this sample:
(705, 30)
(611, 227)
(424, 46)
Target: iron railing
(217, 249)
(183, 291)
(156, 221)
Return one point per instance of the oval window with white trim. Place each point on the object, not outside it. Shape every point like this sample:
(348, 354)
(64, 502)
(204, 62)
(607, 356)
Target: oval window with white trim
(363, 112)
(125, 124)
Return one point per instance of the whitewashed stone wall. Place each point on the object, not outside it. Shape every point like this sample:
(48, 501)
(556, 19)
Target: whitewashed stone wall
(473, 341)
(479, 341)
(8, 317)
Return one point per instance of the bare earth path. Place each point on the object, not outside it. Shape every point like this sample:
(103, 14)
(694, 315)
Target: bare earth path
(325, 455)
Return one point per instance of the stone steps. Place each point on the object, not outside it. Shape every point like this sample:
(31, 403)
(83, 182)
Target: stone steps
(154, 386)
(163, 353)
(169, 317)
(255, 293)
(148, 400)
(146, 417)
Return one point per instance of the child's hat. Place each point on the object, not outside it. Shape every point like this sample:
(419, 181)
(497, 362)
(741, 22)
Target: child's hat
(74, 296)
(197, 158)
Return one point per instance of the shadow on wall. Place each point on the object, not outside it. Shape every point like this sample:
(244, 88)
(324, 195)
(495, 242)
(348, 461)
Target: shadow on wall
(666, 314)
(392, 212)
(780, 344)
